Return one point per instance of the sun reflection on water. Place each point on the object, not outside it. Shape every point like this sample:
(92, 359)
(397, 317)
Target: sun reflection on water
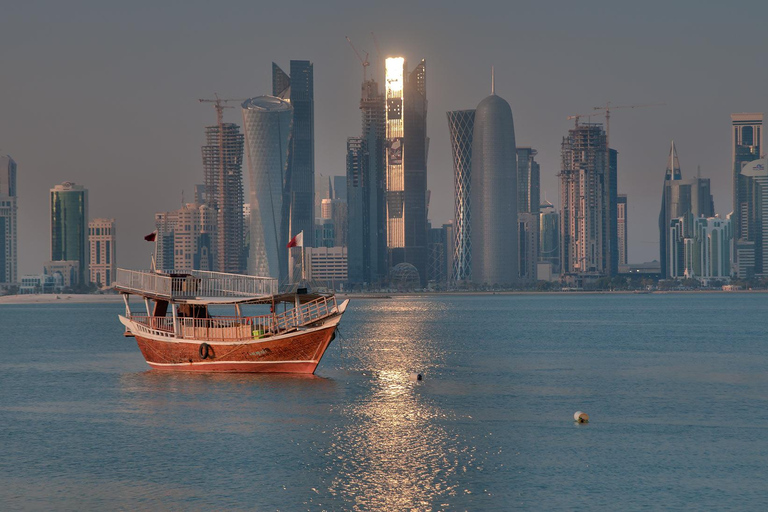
(392, 452)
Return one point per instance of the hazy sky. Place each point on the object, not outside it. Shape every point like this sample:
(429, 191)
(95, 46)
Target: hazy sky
(105, 93)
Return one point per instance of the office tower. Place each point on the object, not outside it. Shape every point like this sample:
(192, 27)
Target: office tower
(185, 238)
(701, 248)
(406, 176)
(8, 223)
(549, 236)
(327, 265)
(528, 245)
(528, 181)
(621, 228)
(439, 255)
(298, 89)
(461, 125)
(223, 170)
(340, 187)
(365, 189)
(335, 212)
(323, 190)
(267, 125)
(101, 238)
(493, 194)
(611, 213)
(746, 145)
(69, 228)
(679, 198)
(587, 192)
(752, 246)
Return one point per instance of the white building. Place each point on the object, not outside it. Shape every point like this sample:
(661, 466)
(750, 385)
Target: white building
(701, 248)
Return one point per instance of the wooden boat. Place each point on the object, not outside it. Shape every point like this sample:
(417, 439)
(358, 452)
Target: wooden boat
(177, 331)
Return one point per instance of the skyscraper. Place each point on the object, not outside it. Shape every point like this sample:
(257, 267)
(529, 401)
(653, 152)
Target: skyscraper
(267, 125)
(223, 170)
(680, 197)
(461, 125)
(752, 247)
(101, 239)
(621, 229)
(746, 146)
(588, 245)
(494, 195)
(406, 176)
(8, 222)
(528, 181)
(549, 236)
(365, 189)
(69, 228)
(185, 238)
(298, 89)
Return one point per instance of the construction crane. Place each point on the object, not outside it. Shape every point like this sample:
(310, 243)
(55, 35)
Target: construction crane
(607, 109)
(363, 61)
(576, 117)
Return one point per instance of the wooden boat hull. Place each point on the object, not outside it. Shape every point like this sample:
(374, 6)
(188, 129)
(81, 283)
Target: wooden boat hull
(295, 352)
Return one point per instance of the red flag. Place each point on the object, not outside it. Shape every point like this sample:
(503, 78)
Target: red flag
(151, 237)
(297, 241)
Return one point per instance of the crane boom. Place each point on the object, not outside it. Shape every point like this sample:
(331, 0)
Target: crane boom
(363, 61)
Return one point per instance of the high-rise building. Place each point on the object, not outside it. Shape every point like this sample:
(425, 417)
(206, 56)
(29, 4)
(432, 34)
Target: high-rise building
(549, 236)
(365, 189)
(701, 248)
(493, 194)
(438, 263)
(267, 125)
(528, 245)
(223, 170)
(586, 194)
(185, 238)
(8, 223)
(335, 211)
(752, 247)
(298, 89)
(621, 228)
(406, 176)
(340, 187)
(69, 228)
(101, 238)
(679, 198)
(461, 125)
(528, 181)
(746, 146)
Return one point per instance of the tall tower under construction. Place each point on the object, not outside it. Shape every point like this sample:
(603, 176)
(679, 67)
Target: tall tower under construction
(223, 169)
(586, 194)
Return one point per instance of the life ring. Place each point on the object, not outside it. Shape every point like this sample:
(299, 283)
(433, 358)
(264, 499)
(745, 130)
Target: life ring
(205, 350)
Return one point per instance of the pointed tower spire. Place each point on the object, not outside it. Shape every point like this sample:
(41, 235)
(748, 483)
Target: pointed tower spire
(673, 166)
(493, 82)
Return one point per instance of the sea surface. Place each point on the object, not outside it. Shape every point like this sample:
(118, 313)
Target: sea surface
(676, 386)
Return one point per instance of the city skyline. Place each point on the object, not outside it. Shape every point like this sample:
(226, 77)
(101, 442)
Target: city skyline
(160, 107)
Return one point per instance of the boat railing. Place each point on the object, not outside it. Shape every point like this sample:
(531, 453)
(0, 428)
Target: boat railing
(180, 284)
(237, 328)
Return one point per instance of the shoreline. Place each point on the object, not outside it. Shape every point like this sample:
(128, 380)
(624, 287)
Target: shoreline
(52, 298)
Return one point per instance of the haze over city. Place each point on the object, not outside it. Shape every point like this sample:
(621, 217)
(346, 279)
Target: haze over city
(106, 95)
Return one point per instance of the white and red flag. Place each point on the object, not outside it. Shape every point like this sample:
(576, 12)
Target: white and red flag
(297, 241)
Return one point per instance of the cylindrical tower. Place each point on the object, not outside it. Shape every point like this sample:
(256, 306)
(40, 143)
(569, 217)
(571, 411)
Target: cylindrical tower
(494, 224)
(267, 127)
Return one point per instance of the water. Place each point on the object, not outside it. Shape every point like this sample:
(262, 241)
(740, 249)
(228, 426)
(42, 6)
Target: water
(675, 385)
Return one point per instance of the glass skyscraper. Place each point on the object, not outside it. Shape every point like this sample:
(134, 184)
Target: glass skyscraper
(406, 161)
(298, 89)
(69, 227)
(746, 145)
(8, 222)
(267, 125)
(461, 124)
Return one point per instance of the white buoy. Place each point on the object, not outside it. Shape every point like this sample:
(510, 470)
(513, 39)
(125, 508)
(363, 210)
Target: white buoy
(581, 417)
(415, 376)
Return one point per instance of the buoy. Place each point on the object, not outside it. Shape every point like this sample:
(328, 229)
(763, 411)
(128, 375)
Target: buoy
(415, 376)
(581, 417)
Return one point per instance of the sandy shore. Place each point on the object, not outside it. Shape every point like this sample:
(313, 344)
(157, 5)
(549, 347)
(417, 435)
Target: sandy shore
(61, 298)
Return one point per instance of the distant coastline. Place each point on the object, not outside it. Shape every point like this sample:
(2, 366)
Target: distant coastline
(60, 298)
